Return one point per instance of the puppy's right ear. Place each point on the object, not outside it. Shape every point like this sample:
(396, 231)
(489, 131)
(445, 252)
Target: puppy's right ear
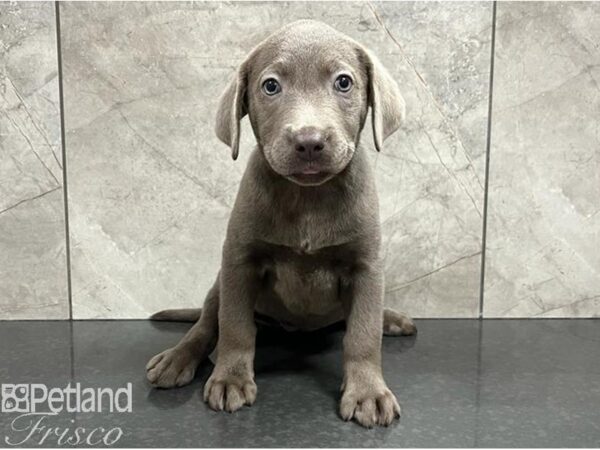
(232, 107)
(387, 104)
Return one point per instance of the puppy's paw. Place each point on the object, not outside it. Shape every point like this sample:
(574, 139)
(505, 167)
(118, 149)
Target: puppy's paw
(172, 368)
(397, 324)
(229, 392)
(369, 405)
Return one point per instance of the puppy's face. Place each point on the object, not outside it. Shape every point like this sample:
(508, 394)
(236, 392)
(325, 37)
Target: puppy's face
(307, 89)
(307, 100)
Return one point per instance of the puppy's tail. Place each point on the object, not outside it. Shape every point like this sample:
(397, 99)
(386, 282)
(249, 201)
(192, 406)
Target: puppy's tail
(178, 315)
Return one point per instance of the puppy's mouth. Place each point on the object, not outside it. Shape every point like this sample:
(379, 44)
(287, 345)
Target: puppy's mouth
(310, 176)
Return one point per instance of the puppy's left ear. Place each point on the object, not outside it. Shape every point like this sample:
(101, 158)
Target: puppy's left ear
(388, 107)
(232, 107)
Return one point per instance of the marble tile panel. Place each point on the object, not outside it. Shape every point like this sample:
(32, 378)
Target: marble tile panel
(544, 195)
(151, 187)
(33, 272)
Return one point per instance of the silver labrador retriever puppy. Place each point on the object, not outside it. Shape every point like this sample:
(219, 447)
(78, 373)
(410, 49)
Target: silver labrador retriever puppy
(303, 241)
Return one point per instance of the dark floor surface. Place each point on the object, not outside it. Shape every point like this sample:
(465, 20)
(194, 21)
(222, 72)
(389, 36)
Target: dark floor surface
(461, 383)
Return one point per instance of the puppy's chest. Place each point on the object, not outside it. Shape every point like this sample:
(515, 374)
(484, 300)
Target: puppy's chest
(306, 282)
(306, 291)
(308, 234)
(306, 255)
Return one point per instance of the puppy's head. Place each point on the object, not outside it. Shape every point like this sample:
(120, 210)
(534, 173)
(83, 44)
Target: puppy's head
(307, 89)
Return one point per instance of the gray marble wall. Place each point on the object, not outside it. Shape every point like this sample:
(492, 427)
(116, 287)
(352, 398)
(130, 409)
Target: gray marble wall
(543, 239)
(33, 270)
(150, 187)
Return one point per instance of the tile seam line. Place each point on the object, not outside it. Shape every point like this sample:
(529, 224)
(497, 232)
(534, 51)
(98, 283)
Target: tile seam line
(64, 154)
(487, 164)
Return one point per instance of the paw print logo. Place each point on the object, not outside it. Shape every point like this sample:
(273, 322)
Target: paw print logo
(15, 398)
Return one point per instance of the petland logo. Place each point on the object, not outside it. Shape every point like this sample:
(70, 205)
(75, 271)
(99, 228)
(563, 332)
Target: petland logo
(36, 404)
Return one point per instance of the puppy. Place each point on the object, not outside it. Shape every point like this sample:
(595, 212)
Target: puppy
(303, 241)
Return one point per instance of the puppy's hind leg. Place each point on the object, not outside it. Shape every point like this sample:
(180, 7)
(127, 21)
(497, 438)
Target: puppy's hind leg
(397, 324)
(177, 366)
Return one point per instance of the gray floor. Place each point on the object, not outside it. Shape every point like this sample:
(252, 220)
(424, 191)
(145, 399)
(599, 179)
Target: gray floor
(461, 383)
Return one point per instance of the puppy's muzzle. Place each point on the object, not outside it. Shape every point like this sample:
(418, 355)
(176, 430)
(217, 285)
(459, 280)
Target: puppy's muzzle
(309, 146)
(308, 143)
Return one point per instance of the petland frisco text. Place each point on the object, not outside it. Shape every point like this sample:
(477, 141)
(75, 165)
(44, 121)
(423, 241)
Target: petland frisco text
(37, 405)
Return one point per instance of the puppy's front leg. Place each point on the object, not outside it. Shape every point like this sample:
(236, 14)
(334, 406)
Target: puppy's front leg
(366, 397)
(231, 384)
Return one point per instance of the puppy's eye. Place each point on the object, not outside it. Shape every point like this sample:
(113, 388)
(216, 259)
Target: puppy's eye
(343, 83)
(271, 86)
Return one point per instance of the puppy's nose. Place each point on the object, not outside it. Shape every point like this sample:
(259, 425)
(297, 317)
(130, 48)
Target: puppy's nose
(308, 142)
